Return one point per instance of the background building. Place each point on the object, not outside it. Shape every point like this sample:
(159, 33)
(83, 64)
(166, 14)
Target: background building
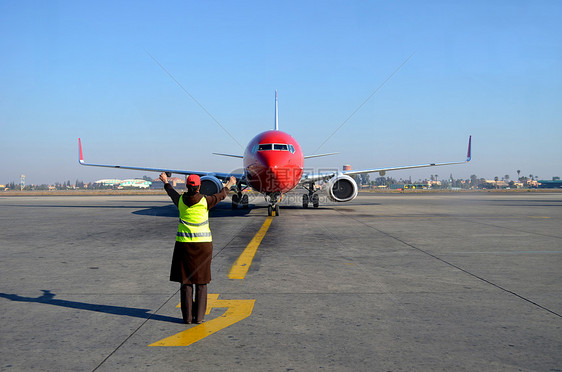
(135, 183)
(108, 182)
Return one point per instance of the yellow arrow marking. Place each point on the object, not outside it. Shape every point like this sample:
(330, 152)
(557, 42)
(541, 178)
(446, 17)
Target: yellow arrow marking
(243, 263)
(236, 309)
(235, 312)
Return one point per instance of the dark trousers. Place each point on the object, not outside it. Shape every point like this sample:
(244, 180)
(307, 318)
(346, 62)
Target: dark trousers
(193, 310)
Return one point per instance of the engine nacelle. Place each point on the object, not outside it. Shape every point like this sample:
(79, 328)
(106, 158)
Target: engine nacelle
(342, 188)
(210, 185)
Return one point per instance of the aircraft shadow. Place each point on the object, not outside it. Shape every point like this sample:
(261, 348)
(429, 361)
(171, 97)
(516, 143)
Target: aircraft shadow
(48, 298)
(291, 206)
(170, 210)
(220, 210)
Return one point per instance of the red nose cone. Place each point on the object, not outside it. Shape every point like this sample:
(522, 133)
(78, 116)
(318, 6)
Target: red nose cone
(278, 173)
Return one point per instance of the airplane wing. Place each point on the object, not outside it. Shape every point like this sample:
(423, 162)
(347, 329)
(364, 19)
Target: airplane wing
(221, 176)
(312, 177)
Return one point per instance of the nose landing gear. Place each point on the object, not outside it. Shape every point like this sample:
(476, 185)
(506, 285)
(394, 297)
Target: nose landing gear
(273, 210)
(273, 207)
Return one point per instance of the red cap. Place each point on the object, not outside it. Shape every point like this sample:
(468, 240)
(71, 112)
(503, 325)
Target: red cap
(193, 180)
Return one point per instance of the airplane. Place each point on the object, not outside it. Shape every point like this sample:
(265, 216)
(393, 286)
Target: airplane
(274, 165)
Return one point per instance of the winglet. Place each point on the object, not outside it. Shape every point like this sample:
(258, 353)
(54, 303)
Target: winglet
(468, 154)
(276, 113)
(81, 158)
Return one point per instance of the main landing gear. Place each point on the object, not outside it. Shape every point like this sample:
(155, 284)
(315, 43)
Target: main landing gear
(239, 199)
(311, 197)
(273, 207)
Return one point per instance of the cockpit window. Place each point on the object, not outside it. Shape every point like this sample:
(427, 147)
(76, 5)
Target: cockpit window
(276, 147)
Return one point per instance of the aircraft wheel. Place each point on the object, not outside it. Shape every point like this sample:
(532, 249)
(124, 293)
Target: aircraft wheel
(245, 201)
(235, 201)
(305, 201)
(315, 200)
(270, 210)
(277, 210)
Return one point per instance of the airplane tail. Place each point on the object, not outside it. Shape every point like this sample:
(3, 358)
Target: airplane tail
(276, 127)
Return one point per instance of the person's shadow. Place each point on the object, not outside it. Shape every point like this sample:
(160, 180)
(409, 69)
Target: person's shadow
(48, 298)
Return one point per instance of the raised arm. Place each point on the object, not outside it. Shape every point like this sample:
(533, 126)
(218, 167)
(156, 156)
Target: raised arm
(173, 194)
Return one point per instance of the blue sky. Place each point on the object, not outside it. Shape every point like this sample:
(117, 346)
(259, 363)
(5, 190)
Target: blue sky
(73, 69)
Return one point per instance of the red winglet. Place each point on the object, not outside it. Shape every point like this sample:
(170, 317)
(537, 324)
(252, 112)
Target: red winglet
(80, 147)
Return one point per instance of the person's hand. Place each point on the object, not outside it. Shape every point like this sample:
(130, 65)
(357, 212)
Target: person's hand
(164, 177)
(231, 182)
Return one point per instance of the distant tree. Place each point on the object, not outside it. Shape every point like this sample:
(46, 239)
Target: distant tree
(381, 181)
(518, 173)
(365, 179)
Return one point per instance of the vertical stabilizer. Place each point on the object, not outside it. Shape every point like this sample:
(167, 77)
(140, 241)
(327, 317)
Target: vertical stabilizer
(276, 113)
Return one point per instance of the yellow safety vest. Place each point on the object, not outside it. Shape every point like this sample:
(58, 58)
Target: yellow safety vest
(194, 222)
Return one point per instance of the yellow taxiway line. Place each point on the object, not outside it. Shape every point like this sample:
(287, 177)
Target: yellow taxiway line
(240, 268)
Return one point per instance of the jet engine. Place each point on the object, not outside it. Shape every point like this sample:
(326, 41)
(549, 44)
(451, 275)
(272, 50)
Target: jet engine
(342, 188)
(210, 185)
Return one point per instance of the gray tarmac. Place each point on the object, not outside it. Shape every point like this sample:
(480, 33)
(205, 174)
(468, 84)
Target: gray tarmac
(387, 282)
